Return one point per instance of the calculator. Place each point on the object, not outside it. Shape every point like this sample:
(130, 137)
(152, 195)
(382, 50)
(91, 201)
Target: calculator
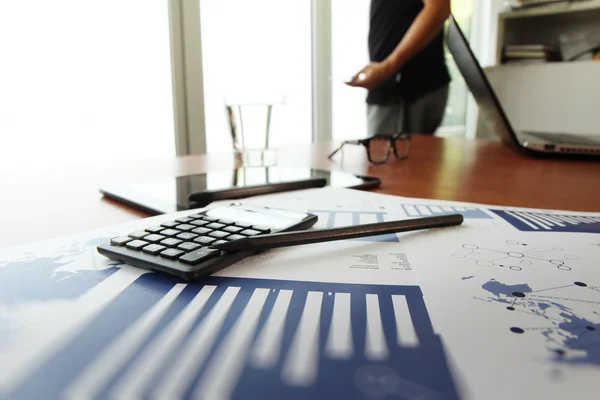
(183, 247)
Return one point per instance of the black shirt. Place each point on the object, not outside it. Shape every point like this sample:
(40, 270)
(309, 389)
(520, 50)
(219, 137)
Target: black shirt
(425, 72)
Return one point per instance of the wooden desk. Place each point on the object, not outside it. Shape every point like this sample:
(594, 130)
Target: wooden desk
(39, 203)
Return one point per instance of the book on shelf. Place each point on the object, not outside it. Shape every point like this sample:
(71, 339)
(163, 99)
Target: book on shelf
(530, 47)
(525, 54)
(524, 61)
(537, 52)
(518, 4)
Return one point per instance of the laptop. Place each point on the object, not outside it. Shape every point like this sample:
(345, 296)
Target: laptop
(531, 143)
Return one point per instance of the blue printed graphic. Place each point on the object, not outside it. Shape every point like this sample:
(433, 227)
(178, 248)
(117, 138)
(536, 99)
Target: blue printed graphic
(420, 210)
(516, 256)
(571, 338)
(545, 222)
(331, 215)
(296, 340)
(40, 279)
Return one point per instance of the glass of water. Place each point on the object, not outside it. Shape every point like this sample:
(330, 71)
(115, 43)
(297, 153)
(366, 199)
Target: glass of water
(250, 118)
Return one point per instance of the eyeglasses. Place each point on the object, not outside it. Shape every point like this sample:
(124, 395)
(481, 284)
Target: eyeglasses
(380, 146)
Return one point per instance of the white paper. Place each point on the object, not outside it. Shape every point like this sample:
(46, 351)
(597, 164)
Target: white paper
(506, 305)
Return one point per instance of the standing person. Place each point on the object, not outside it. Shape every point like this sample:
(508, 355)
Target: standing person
(407, 79)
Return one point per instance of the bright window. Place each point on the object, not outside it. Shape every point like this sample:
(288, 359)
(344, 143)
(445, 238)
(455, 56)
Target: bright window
(257, 50)
(84, 81)
(456, 110)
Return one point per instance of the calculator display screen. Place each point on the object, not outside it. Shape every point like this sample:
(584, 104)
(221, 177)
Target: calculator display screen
(170, 195)
(255, 215)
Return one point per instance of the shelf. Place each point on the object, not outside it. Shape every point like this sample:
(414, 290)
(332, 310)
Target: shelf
(549, 24)
(552, 96)
(552, 9)
(574, 68)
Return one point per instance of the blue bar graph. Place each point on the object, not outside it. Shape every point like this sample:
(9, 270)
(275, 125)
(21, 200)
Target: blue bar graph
(251, 338)
(357, 218)
(529, 221)
(421, 210)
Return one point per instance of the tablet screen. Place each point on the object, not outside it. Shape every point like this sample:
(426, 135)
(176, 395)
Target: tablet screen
(170, 195)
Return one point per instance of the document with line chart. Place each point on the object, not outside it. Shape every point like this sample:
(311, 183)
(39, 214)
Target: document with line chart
(506, 305)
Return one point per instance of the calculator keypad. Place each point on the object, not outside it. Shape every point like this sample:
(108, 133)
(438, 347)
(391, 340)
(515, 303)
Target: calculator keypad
(172, 254)
(233, 229)
(197, 256)
(171, 242)
(136, 244)
(153, 249)
(154, 237)
(185, 245)
(138, 234)
(184, 236)
(187, 239)
(204, 240)
(120, 241)
(188, 246)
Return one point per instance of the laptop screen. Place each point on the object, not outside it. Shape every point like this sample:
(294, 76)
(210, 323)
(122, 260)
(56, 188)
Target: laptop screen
(478, 84)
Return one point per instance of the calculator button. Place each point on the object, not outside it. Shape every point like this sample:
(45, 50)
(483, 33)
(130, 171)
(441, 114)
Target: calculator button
(204, 240)
(188, 246)
(184, 220)
(153, 249)
(235, 237)
(171, 242)
(201, 231)
(219, 234)
(170, 224)
(185, 227)
(120, 241)
(170, 232)
(226, 221)
(186, 236)
(262, 229)
(155, 229)
(198, 256)
(211, 219)
(250, 232)
(243, 225)
(153, 238)
(136, 244)
(199, 222)
(233, 229)
(219, 242)
(197, 215)
(138, 234)
(172, 254)
(215, 225)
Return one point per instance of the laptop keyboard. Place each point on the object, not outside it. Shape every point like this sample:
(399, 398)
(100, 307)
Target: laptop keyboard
(566, 138)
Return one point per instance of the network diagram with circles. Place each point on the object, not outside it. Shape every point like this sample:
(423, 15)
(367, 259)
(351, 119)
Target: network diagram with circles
(516, 256)
(568, 316)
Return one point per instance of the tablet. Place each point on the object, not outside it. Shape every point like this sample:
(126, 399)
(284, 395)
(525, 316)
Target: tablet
(170, 195)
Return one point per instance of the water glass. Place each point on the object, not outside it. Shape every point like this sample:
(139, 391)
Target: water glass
(249, 119)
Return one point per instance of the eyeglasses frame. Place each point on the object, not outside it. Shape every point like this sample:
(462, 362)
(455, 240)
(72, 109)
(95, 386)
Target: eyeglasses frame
(366, 142)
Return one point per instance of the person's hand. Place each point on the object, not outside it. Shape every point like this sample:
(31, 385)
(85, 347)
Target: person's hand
(371, 76)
